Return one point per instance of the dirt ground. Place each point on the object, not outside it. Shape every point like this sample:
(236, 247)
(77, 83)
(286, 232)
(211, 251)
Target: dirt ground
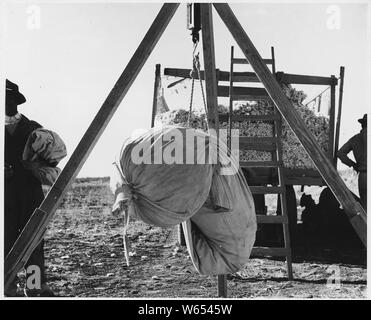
(85, 258)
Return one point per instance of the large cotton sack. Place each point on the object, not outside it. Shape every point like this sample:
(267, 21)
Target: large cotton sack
(163, 194)
(220, 236)
(213, 201)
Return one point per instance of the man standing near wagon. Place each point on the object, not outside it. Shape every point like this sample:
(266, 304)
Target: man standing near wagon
(358, 144)
(31, 155)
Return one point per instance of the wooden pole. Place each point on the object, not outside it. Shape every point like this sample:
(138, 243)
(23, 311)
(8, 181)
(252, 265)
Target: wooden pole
(211, 93)
(353, 209)
(319, 103)
(230, 118)
(332, 119)
(337, 133)
(36, 226)
(273, 61)
(209, 64)
(156, 93)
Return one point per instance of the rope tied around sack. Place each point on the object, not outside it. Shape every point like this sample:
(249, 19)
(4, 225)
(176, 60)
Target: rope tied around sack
(124, 195)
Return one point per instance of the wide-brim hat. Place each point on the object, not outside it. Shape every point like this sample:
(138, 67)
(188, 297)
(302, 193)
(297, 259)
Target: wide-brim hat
(363, 120)
(12, 92)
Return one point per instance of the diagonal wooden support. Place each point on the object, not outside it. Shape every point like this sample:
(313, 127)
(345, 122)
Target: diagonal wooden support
(337, 132)
(36, 226)
(353, 209)
(211, 93)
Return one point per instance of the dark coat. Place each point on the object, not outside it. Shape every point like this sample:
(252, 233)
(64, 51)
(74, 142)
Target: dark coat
(22, 190)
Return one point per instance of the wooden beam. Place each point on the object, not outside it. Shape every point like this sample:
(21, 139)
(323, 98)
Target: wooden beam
(353, 209)
(156, 93)
(211, 93)
(230, 106)
(332, 121)
(36, 226)
(273, 61)
(209, 64)
(249, 118)
(222, 286)
(222, 75)
(223, 91)
(252, 77)
(305, 79)
(244, 61)
(337, 133)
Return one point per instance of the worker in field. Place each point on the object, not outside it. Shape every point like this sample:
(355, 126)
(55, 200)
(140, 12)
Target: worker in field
(30, 161)
(358, 144)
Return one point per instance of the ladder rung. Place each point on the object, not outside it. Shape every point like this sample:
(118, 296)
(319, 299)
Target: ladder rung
(223, 91)
(245, 61)
(273, 252)
(254, 164)
(258, 143)
(269, 219)
(249, 97)
(255, 117)
(266, 190)
(257, 146)
(245, 78)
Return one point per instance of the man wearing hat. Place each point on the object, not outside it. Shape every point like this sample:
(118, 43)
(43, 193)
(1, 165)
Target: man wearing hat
(30, 161)
(358, 144)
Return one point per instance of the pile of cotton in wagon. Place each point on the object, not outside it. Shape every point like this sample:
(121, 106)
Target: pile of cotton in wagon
(294, 155)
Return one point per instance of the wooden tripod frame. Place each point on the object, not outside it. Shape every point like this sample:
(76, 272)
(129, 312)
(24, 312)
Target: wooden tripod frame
(36, 226)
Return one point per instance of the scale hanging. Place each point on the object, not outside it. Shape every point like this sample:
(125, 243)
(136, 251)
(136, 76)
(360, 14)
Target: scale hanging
(194, 20)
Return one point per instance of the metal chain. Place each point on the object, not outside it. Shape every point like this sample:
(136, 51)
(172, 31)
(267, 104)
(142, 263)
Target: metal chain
(202, 91)
(191, 103)
(193, 83)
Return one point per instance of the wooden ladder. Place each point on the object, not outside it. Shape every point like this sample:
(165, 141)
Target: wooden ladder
(271, 144)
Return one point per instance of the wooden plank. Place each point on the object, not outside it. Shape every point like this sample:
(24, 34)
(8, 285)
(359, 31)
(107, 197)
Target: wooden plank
(268, 252)
(252, 77)
(249, 98)
(36, 226)
(257, 146)
(244, 61)
(211, 93)
(252, 164)
(266, 190)
(337, 132)
(249, 118)
(223, 91)
(209, 64)
(244, 77)
(332, 122)
(292, 177)
(273, 61)
(256, 117)
(353, 209)
(182, 73)
(305, 79)
(305, 181)
(222, 75)
(283, 196)
(270, 219)
(156, 93)
(230, 114)
(246, 141)
(222, 286)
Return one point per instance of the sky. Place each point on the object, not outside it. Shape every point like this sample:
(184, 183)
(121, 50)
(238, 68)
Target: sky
(67, 61)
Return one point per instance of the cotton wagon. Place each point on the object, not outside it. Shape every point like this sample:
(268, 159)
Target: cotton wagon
(271, 156)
